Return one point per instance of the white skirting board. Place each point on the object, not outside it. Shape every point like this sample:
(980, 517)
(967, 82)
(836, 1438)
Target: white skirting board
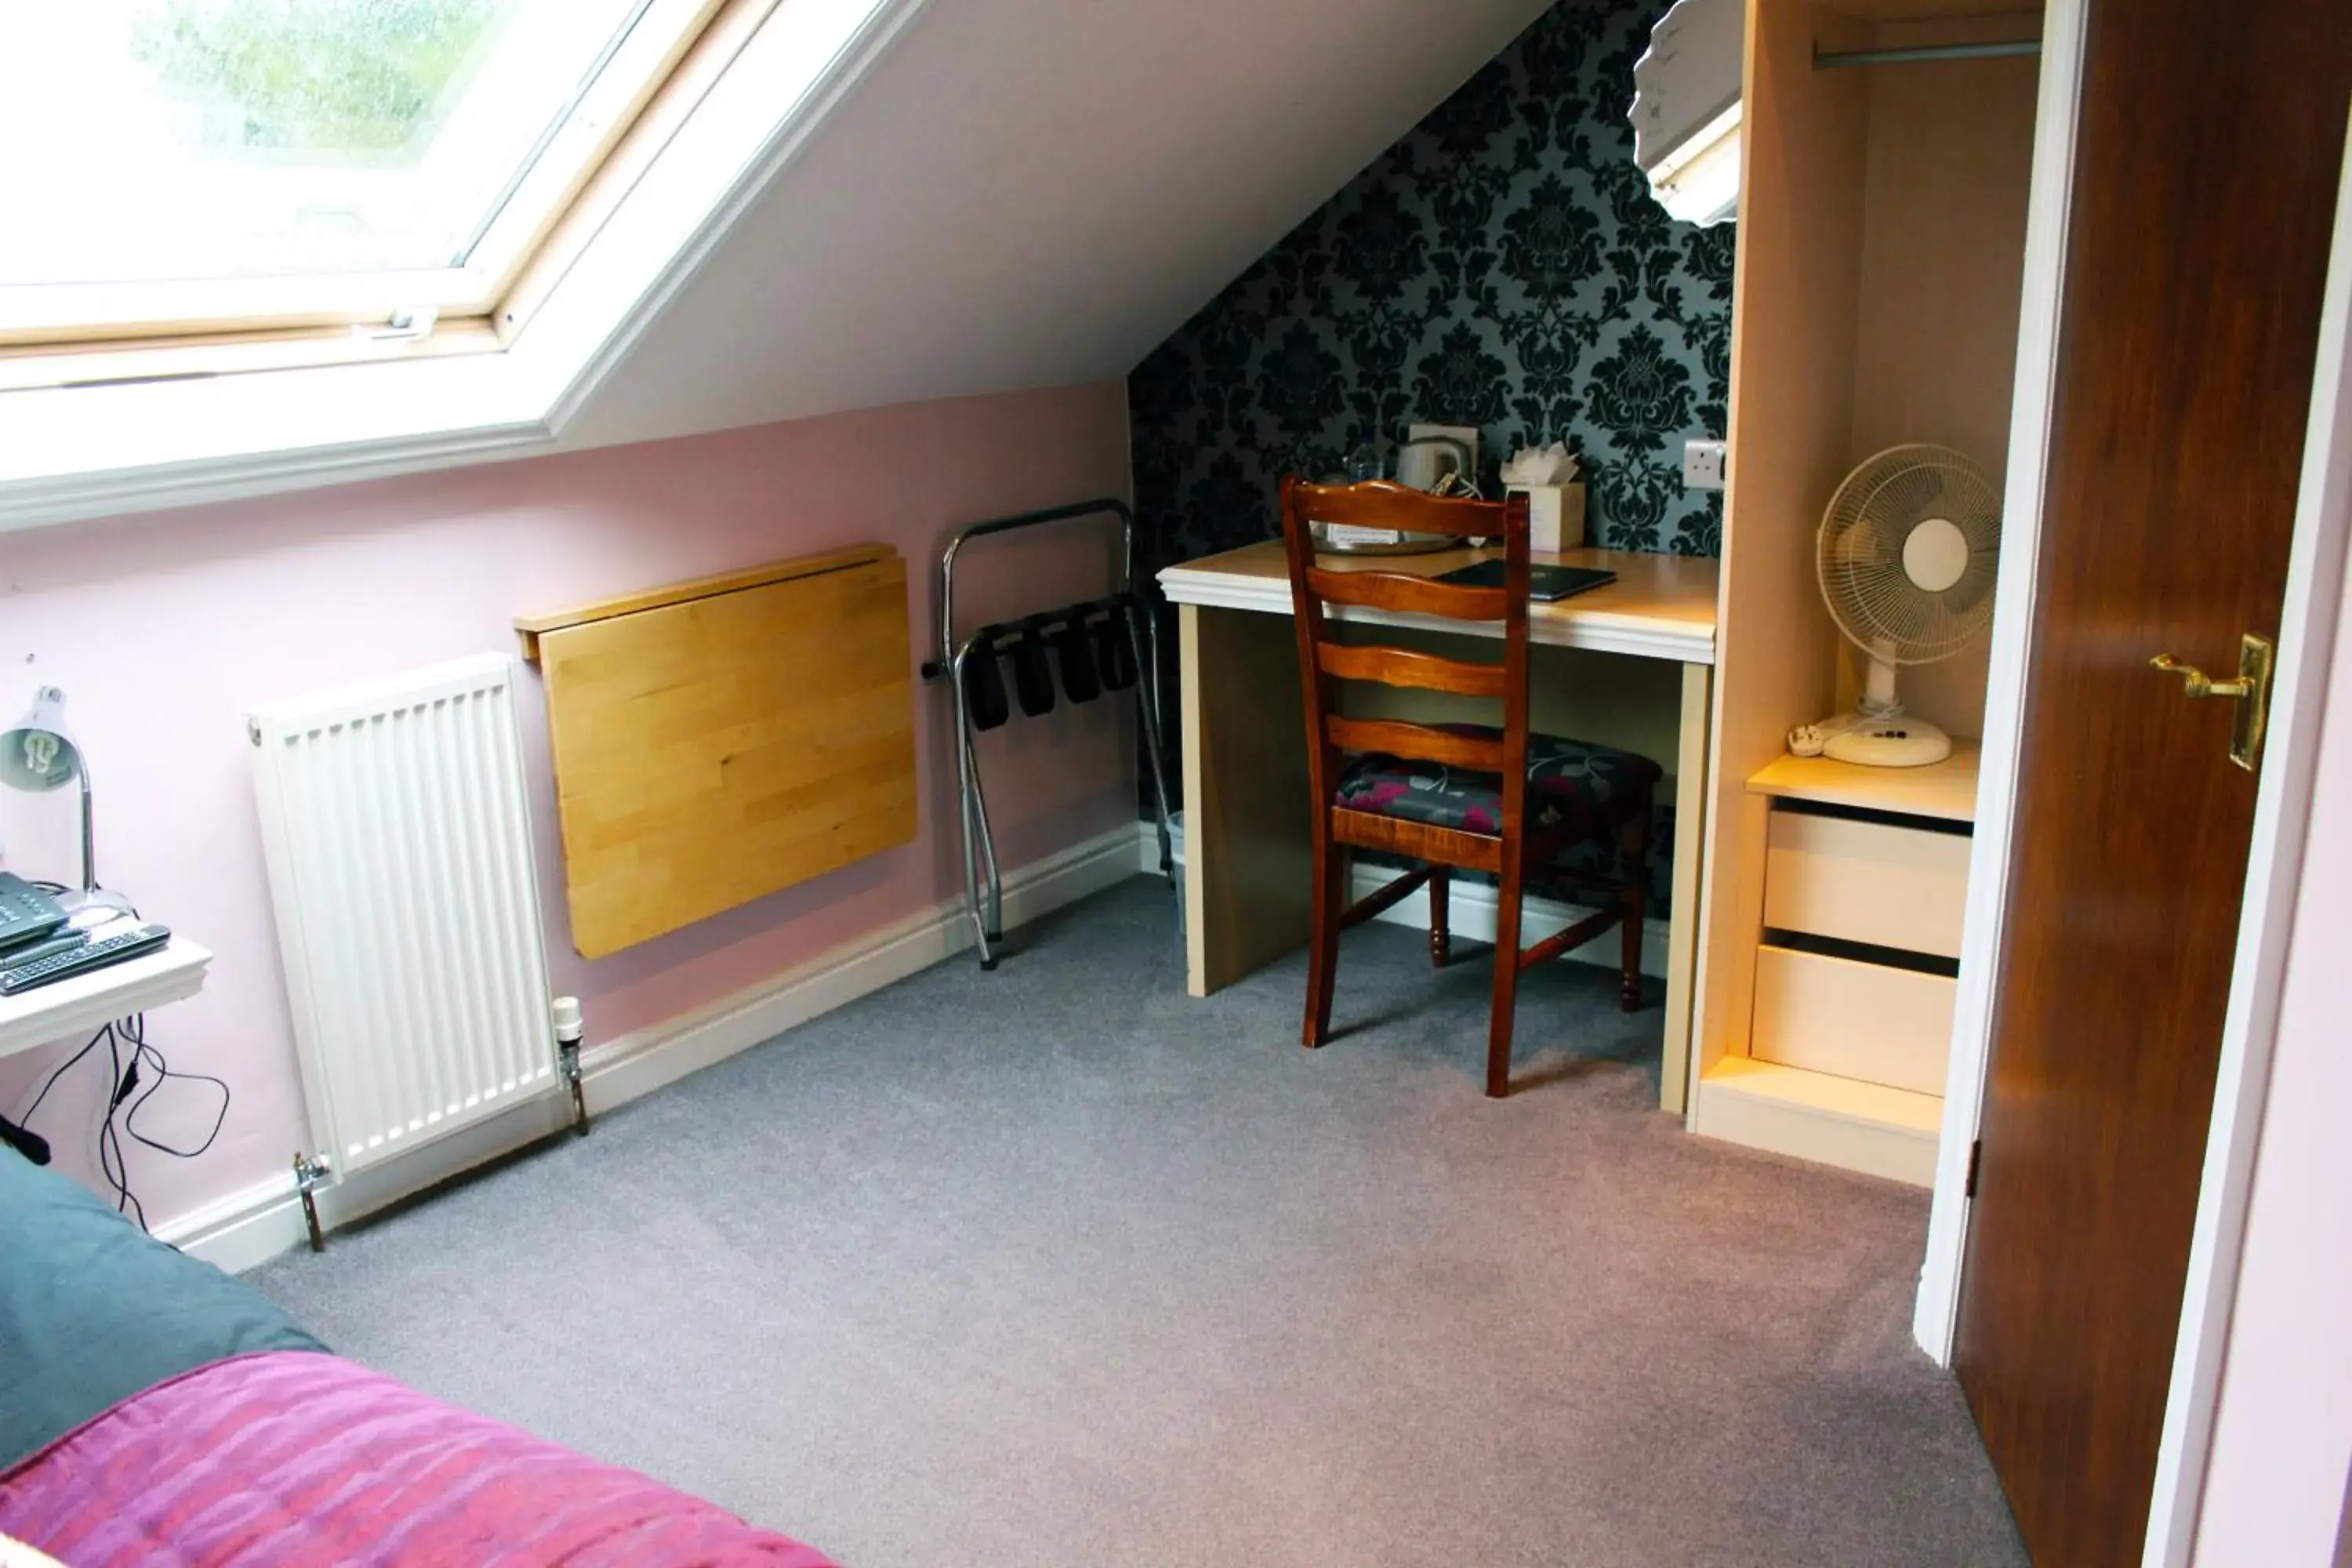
(250, 1227)
(1470, 912)
(1470, 907)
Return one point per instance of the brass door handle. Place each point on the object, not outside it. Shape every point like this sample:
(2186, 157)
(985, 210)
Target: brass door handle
(2250, 691)
(2195, 682)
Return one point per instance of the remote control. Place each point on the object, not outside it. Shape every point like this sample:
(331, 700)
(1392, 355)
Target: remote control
(136, 943)
(47, 947)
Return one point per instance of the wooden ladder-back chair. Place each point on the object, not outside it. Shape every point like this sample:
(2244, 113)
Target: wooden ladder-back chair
(1481, 798)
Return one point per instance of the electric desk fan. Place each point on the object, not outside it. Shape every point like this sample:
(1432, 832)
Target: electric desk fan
(1905, 556)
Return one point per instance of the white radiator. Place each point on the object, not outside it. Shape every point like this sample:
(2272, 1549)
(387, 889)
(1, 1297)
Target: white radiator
(398, 835)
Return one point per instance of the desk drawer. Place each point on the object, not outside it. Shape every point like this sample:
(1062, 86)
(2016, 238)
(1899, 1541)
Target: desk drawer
(1865, 1020)
(1866, 881)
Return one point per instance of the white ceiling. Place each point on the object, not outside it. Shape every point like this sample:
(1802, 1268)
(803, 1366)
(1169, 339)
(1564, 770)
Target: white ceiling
(1035, 192)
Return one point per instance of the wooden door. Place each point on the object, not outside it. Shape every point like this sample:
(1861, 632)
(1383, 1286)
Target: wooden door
(2207, 159)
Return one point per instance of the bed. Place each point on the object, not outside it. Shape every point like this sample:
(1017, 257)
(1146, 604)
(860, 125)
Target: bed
(156, 1411)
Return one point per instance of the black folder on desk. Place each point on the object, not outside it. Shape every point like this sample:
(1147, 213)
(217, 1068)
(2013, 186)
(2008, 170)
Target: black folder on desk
(1546, 584)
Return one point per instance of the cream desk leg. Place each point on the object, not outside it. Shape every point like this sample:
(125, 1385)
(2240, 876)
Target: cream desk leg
(1691, 769)
(1248, 872)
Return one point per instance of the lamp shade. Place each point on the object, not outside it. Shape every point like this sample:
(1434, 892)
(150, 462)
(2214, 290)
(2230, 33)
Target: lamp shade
(37, 752)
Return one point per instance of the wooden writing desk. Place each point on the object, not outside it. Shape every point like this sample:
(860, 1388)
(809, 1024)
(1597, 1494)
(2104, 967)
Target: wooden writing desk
(1247, 870)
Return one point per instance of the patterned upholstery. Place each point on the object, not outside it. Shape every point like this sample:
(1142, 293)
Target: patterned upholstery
(1574, 785)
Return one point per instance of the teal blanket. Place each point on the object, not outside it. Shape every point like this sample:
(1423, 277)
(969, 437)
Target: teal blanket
(93, 1310)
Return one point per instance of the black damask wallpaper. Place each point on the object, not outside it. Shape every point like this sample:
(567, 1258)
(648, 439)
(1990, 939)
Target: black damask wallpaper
(1503, 266)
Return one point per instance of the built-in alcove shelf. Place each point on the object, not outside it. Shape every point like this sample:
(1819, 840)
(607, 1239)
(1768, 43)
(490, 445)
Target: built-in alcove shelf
(1878, 279)
(1945, 789)
(1846, 1057)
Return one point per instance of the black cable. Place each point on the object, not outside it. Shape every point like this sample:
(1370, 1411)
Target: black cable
(62, 1068)
(25, 1141)
(135, 1028)
(110, 1140)
(125, 1200)
(125, 1097)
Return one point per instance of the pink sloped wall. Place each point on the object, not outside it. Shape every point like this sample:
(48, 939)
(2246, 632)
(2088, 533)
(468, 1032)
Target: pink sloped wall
(2275, 1491)
(164, 630)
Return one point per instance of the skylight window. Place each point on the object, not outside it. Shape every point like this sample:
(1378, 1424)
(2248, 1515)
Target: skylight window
(205, 165)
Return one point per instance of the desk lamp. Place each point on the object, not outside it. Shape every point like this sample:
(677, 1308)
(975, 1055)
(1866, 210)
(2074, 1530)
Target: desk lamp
(37, 754)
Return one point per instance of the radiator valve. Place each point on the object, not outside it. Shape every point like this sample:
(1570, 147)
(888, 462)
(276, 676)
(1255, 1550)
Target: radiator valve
(311, 1171)
(570, 1030)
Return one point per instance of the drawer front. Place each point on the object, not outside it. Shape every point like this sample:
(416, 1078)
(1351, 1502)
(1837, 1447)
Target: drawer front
(1857, 1020)
(1866, 881)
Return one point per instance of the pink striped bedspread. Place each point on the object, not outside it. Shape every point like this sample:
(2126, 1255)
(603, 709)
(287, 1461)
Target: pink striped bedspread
(292, 1460)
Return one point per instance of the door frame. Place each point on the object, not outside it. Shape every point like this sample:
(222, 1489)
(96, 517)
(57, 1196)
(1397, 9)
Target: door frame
(2282, 807)
(2281, 813)
(1935, 1318)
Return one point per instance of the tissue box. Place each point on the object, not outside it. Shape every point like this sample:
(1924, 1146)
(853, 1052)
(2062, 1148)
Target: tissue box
(1554, 516)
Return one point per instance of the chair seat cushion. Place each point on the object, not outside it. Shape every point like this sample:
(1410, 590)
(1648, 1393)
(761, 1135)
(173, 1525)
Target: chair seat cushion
(1572, 786)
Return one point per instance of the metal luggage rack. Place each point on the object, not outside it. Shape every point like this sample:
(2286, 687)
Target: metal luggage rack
(1096, 645)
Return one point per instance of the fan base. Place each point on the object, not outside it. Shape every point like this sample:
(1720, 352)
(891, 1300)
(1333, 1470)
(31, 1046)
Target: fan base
(1901, 742)
(1890, 739)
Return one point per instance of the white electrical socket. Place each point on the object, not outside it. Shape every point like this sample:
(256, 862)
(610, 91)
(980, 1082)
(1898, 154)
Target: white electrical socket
(1703, 465)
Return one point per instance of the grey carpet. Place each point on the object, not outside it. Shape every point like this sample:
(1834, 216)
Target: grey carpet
(1058, 1268)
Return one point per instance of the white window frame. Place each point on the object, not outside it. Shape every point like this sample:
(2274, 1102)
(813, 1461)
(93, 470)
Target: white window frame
(638, 66)
(152, 424)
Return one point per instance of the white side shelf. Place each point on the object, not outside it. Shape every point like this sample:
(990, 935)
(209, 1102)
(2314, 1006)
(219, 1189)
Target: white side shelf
(1946, 789)
(82, 1003)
